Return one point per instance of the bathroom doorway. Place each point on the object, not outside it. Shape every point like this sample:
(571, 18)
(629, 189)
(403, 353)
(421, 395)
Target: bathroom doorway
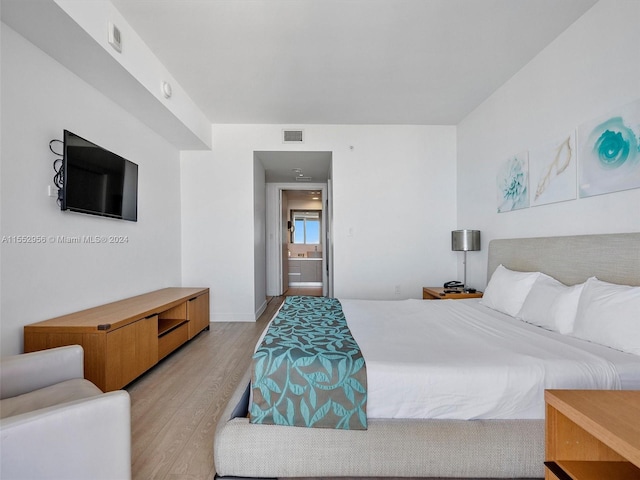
(298, 259)
(304, 227)
(292, 181)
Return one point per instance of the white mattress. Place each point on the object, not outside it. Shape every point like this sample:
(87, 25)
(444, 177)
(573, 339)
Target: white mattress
(456, 359)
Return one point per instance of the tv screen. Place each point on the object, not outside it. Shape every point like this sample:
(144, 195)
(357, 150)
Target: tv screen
(97, 181)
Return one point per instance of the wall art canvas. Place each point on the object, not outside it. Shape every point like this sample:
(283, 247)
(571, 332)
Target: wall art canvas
(609, 152)
(513, 183)
(553, 170)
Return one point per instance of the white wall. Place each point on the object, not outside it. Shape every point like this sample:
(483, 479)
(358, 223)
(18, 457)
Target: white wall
(141, 64)
(394, 209)
(259, 240)
(40, 98)
(394, 206)
(588, 70)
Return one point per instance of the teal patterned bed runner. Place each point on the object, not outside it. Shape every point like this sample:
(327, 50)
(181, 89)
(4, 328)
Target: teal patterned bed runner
(308, 370)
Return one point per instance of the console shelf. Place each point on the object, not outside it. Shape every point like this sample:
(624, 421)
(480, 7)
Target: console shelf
(123, 339)
(592, 434)
(165, 326)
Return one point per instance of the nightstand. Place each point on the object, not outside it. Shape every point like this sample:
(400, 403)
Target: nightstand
(437, 293)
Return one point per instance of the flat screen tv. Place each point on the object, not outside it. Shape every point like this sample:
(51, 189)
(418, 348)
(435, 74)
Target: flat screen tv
(97, 181)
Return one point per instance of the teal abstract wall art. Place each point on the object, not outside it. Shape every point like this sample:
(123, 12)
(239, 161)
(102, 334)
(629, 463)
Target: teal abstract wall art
(609, 152)
(553, 170)
(513, 183)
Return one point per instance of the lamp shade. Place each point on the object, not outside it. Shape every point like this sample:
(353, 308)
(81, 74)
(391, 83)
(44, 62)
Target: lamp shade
(465, 240)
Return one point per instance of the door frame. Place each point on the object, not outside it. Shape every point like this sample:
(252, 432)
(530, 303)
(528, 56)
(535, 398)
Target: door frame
(274, 223)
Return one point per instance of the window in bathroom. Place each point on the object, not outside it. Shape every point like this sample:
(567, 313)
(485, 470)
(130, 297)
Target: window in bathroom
(307, 226)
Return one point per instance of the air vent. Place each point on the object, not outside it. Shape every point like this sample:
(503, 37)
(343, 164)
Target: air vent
(303, 179)
(292, 136)
(115, 39)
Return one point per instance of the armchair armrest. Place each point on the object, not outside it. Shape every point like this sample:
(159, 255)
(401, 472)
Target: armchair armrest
(88, 438)
(31, 371)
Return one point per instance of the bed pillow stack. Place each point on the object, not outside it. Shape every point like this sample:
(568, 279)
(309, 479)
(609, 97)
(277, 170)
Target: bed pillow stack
(596, 311)
(551, 304)
(609, 314)
(507, 290)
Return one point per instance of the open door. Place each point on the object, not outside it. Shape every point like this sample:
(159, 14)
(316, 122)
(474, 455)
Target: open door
(277, 234)
(284, 234)
(327, 290)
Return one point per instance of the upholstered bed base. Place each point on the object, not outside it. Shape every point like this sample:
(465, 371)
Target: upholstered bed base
(397, 448)
(425, 448)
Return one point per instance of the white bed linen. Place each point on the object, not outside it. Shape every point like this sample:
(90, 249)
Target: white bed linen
(456, 359)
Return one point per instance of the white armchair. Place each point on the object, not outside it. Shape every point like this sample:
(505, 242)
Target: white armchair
(54, 424)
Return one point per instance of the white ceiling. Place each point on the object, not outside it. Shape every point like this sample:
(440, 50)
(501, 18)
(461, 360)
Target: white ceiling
(346, 61)
(279, 166)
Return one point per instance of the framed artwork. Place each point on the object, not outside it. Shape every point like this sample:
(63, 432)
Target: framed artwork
(513, 182)
(553, 170)
(609, 152)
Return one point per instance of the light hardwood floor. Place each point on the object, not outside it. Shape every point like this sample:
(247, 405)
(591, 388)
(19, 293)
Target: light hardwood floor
(311, 291)
(176, 405)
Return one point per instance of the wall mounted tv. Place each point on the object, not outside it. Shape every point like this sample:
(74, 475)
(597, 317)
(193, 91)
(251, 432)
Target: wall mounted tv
(97, 181)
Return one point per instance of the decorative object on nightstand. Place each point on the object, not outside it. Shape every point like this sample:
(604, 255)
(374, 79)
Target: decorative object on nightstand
(442, 293)
(465, 241)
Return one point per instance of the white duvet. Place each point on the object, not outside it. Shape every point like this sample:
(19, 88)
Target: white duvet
(456, 359)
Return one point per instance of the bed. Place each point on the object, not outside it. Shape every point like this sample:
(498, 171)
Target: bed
(457, 443)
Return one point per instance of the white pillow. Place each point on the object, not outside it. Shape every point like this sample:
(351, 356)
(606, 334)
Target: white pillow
(609, 314)
(508, 289)
(551, 304)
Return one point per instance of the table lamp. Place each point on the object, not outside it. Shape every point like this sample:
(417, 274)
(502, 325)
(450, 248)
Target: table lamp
(465, 241)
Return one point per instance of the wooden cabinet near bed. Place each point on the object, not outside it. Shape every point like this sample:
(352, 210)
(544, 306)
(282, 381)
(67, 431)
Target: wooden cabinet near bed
(123, 339)
(592, 434)
(437, 293)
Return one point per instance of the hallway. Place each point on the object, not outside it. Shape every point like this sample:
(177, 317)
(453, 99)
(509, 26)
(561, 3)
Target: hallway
(310, 291)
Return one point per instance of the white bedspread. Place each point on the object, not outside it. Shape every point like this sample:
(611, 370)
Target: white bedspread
(456, 359)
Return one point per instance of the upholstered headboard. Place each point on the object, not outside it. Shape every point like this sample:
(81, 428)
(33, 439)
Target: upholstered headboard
(612, 258)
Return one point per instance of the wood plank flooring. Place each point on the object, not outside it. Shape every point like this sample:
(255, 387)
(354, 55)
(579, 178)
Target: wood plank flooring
(176, 405)
(311, 291)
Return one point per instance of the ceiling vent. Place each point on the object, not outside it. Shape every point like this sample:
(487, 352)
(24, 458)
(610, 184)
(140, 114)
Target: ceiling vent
(292, 136)
(303, 179)
(115, 39)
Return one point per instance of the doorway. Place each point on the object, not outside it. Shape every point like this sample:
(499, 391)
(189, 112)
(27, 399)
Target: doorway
(309, 259)
(282, 173)
(303, 267)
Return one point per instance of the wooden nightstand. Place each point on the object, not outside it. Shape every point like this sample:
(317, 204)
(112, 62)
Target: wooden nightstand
(437, 293)
(592, 434)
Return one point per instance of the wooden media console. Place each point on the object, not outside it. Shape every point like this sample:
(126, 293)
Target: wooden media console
(123, 339)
